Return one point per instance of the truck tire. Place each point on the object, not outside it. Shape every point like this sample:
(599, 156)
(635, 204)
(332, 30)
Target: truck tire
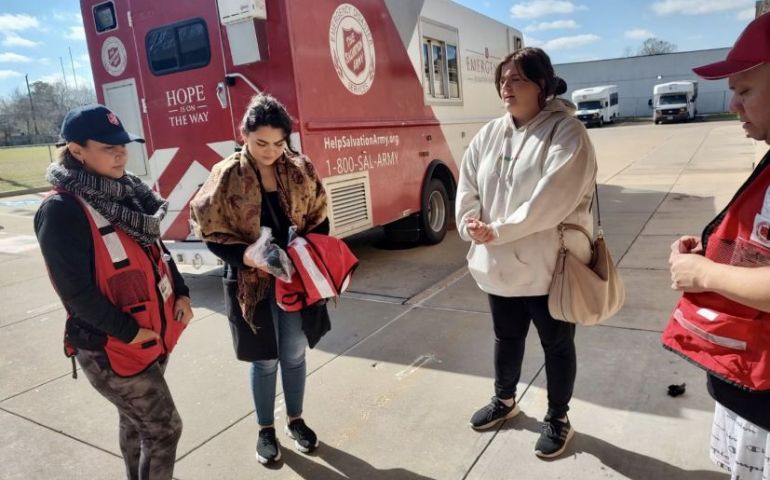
(601, 122)
(434, 217)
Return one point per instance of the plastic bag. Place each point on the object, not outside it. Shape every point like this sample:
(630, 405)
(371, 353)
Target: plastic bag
(270, 257)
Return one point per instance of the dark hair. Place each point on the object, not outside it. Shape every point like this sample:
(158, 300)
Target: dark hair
(534, 64)
(66, 159)
(264, 110)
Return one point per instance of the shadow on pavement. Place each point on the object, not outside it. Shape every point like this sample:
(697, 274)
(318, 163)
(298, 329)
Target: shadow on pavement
(351, 467)
(627, 463)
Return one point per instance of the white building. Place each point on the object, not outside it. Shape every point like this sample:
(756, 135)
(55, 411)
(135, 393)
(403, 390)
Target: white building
(636, 76)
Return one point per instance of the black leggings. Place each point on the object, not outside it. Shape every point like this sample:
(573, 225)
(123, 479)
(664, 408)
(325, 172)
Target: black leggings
(511, 317)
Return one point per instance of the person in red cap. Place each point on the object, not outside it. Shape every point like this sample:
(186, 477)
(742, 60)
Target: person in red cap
(126, 303)
(722, 322)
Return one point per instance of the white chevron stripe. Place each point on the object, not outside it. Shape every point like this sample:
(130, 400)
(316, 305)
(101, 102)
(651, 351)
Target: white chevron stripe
(159, 161)
(183, 192)
(223, 149)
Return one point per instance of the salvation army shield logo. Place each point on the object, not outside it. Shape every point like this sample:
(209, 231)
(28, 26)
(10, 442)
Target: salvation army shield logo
(352, 49)
(114, 56)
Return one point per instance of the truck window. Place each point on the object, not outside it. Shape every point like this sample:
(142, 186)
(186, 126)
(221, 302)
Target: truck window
(613, 99)
(178, 47)
(590, 105)
(104, 17)
(440, 63)
(441, 77)
(673, 99)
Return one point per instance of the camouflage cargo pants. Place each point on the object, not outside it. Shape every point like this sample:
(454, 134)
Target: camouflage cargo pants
(150, 426)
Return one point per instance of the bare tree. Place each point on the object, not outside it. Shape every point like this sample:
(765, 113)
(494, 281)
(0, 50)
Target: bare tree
(51, 100)
(628, 52)
(655, 46)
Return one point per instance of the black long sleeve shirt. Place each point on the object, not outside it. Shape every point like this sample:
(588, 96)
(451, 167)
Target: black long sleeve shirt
(64, 234)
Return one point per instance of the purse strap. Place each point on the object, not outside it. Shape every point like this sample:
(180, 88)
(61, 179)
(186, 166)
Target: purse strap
(572, 226)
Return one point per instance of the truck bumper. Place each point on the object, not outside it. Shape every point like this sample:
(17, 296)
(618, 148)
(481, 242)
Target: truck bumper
(194, 254)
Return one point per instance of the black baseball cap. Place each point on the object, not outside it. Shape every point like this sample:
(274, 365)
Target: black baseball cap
(98, 123)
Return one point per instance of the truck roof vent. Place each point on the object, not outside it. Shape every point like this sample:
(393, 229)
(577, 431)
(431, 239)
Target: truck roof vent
(350, 206)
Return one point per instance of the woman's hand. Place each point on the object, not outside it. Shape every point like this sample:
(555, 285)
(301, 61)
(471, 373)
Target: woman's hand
(688, 244)
(479, 231)
(145, 335)
(183, 310)
(689, 268)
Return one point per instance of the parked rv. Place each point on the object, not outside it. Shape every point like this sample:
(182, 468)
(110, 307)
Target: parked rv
(674, 101)
(386, 95)
(596, 105)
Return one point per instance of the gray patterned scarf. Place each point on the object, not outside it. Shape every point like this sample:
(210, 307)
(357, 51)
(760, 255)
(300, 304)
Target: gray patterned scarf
(126, 203)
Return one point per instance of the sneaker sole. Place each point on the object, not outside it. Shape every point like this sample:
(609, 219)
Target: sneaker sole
(516, 410)
(559, 451)
(298, 446)
(265, 461)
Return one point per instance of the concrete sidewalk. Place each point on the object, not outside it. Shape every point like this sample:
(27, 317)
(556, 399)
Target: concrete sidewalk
(391, 388)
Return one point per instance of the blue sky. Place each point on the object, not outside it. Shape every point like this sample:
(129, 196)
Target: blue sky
(34, 34)
(573, 31)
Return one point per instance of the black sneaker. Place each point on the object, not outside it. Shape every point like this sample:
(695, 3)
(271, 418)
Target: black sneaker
(554, 437)
(268, 448)
(305, 440)
(492, 414)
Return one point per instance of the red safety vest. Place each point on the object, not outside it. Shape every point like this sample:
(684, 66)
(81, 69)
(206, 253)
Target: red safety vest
(729, 339)
(132, 279)
(323, 266)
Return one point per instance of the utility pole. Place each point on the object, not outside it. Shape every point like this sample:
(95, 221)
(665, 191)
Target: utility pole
(31, 105)
(74, 76)
(63, 75)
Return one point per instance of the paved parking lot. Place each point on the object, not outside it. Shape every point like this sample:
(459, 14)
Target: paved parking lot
(392, 386)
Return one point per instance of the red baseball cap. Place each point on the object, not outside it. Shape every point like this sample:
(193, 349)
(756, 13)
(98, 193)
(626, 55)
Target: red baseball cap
(750, 50)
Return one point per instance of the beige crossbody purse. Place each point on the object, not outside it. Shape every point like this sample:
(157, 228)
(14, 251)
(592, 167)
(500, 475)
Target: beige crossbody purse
(585, 294)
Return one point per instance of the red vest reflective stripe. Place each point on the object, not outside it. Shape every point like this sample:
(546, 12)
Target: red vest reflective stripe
(323, 266)
(729, 339)
(127, 277)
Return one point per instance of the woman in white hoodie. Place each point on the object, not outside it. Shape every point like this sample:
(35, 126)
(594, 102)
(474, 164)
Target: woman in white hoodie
(522, 175)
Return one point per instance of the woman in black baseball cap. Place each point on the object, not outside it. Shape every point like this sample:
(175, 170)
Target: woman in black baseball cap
(99, 232)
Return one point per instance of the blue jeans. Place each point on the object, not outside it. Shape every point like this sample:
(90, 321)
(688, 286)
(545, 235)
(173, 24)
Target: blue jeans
(291, 343)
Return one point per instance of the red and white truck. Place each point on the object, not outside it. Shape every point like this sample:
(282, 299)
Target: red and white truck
(386, 95)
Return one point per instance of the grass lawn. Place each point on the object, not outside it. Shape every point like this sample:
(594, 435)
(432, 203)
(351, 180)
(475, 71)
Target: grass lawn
(24, 167)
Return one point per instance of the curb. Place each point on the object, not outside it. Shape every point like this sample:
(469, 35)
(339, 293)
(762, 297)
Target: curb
(15, 193)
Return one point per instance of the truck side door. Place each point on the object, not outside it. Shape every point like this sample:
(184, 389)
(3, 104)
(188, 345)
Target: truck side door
(190, 128)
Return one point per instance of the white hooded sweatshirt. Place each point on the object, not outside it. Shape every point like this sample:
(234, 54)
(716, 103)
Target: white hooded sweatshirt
(524, 182)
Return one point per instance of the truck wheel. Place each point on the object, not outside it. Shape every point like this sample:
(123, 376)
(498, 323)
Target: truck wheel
(601, 122)
(435, 212)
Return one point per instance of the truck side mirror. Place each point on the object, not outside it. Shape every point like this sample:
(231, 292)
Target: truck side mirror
(649, 103)
(606, 104)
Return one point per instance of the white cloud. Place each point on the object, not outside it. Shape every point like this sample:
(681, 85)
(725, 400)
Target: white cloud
(564, 43)
(14, 40)
(487, 4)
(11, 22)
(638, 34)
(13, 58)
(76, 33)
(532, 41)
(555, 25)
(539, 8)
(698, 7)
(50, 78)
(67, 17)
(746, 15)
(9, 74)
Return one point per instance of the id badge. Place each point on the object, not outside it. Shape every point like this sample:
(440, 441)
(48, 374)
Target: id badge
(165, 287)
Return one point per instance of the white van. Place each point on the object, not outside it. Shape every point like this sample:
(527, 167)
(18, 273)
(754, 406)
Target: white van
(596, 105)
(674, 101)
